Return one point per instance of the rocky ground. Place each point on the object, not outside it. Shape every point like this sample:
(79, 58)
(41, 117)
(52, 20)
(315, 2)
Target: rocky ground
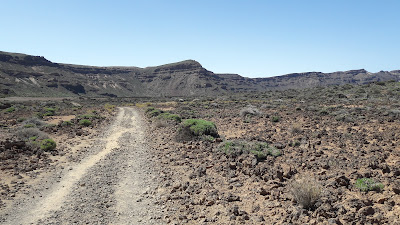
(329, 137)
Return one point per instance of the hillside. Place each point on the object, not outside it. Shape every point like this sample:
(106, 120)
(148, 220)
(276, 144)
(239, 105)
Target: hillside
(26, 75)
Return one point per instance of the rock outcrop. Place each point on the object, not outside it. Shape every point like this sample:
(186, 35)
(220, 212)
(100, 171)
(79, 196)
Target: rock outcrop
(25, 75)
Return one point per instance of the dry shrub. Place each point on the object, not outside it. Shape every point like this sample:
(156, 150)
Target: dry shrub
(296, 129)
(160, 123)
(250, 111)
(35, 121)
(306, 190)
(26, 134)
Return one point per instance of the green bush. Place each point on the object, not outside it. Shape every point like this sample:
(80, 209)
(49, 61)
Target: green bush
(87, 116)
(149, 109)
(66, 123)
(29, 125)
(48, 145)
(9, 110)
(154, 113)
(85, 122)
(275, 119)
(33, 138)
(49, 112)
(208, 138)
(200, 127)
(368, 184)
(169, 116)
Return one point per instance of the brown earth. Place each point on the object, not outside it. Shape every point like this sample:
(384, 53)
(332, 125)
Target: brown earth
(334, 140)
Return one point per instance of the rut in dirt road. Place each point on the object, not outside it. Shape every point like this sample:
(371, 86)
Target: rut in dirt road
(112, 185)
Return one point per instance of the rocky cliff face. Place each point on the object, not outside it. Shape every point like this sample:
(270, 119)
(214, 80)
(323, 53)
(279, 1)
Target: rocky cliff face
(25, 75)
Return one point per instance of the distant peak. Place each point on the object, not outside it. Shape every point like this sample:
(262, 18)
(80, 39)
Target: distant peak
(185, 65)
(191, 62)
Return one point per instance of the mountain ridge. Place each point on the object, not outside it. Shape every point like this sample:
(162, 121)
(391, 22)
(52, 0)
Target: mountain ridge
(35, 76)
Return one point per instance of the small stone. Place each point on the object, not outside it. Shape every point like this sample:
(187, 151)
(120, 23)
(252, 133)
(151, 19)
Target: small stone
(368, 211)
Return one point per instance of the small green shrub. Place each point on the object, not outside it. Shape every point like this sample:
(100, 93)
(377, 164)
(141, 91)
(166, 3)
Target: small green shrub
(88, 116)
(9, 110)
(274, 151)
(368, 184)
(48, 145)
(275, 119)
(200, 127)
(169, 116)
(29, 125)
(110, 108)
(208, 138)
(49, 112)
(21, 119)
(33, 138)
(259, 149)
(66, 123)
(149, 109)
(294, 143)
(39, 115)
(85, 122)
(227, 147)
(154, 113)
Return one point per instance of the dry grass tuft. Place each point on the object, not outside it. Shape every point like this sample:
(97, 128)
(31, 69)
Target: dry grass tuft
(306, 190)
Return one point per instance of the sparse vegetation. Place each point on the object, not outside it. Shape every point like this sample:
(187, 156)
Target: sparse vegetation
(88, 116)
(275, 119)
(109, 107)
(10, 110)
(34, 122)
(260, 149)
(368, 184)
(306, 190)
(49, 112)
(29, 125)
(85, 122)
(249, 111)
(296, 129)
(48, 145)
(169, 116)
(66, 123)
(153, 112)
(27, 133)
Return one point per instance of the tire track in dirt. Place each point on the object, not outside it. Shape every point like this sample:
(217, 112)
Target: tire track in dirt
(112, 185)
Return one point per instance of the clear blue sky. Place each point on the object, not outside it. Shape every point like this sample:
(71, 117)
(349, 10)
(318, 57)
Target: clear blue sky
(252, 38)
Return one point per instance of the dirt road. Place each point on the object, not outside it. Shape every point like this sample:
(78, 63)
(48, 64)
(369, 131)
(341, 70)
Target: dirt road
(113, 184)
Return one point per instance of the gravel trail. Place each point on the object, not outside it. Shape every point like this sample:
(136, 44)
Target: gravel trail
(113, 184)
